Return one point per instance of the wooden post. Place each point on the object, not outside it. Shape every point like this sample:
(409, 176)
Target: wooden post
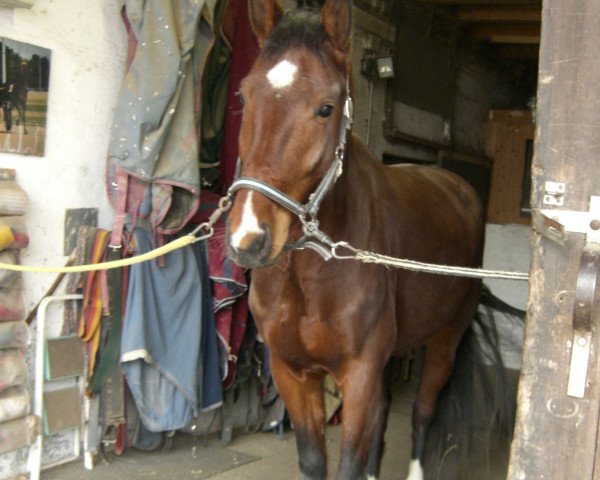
(556, 435)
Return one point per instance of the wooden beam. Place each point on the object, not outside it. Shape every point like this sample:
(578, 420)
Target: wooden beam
(492, 3)
(369, 23)
(518, 51)
(501, 33)
(499, 14)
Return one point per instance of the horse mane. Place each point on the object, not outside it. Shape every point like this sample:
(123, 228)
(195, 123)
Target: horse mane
(297, 28)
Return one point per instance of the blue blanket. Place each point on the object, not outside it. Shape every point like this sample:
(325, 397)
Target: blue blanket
(162, 344)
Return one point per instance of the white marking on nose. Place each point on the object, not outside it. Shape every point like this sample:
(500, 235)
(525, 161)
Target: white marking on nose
(371, 477)
(415, 471)
(248, 225)
(282, 75)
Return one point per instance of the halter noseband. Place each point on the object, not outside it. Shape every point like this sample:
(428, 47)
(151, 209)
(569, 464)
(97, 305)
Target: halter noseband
(307, 212)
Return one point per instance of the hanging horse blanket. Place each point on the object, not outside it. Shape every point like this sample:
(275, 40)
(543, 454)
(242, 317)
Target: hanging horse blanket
(236, 28)
(154, 136)
(229, 291)
(162, 338)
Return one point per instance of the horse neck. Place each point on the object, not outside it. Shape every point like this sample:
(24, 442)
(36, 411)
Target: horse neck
(343, 203)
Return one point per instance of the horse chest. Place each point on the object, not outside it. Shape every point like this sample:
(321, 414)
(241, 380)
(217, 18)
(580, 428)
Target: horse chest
(303, 342)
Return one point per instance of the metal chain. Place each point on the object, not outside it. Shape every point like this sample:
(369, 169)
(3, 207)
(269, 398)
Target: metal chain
(369, 257)
(311, 229)
(207, 227)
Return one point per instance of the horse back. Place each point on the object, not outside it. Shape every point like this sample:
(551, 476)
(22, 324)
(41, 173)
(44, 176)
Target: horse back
(424, 213)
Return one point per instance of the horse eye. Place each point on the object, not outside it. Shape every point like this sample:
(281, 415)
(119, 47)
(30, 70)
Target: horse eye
(324, 110)
(242, 99)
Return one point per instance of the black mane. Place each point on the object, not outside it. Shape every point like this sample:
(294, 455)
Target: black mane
(297, 28)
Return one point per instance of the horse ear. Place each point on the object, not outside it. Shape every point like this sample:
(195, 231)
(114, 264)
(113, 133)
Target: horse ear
(264, 16)
(337, 22)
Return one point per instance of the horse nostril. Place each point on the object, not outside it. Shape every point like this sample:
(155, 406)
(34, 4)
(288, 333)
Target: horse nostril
(253, 250)
(260, 243)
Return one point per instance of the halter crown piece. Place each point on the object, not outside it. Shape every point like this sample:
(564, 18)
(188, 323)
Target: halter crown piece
(307, 212)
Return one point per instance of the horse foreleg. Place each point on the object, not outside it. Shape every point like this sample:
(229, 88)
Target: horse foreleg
(437, 367)
(365, 412)
(303, 395)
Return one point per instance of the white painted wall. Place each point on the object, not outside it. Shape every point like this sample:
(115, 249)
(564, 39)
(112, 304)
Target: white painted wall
(88, 44)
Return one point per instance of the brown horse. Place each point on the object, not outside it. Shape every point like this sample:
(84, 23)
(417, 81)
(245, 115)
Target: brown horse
(299, 171)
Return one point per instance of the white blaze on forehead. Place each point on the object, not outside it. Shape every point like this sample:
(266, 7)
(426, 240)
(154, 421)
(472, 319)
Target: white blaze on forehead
(248, 225)
(283, 74)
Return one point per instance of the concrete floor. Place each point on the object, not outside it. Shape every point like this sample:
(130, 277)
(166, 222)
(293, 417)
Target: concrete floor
(279, 459)
(271, 457)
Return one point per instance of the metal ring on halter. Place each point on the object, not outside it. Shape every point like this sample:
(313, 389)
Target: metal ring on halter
(225, 203)
(207, 229)
(309, 226)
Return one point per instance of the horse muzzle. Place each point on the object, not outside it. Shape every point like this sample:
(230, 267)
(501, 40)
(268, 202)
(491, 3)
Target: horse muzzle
(252, 250)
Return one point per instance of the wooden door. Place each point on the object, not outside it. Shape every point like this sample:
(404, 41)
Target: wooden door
(556, 435)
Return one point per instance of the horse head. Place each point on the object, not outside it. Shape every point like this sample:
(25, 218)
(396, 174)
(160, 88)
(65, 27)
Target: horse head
(293, 119)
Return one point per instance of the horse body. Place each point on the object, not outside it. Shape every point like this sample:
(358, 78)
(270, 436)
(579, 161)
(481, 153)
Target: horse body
(344, 317)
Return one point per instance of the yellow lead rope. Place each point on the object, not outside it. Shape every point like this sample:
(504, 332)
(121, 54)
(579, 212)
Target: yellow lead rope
(158, 252)
(205, 229)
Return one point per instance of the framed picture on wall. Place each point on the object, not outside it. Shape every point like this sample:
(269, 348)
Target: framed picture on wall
(24, 80)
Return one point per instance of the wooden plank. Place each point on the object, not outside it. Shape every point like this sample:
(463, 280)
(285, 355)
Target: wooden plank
(369, 23)
(514, 39)
(509, 132)
(528, 33)
(492, 3)
(499, 14)
(511, 116)
(556, 435)
(524, 51)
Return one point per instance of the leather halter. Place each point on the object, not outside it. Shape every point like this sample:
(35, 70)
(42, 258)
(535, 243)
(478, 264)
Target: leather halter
(307, 212)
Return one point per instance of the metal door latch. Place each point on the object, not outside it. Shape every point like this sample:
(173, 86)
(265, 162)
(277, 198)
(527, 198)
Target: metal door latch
(556, 224)
(583, 315)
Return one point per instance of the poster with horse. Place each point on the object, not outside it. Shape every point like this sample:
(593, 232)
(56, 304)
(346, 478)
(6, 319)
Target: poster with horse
(24, 80)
